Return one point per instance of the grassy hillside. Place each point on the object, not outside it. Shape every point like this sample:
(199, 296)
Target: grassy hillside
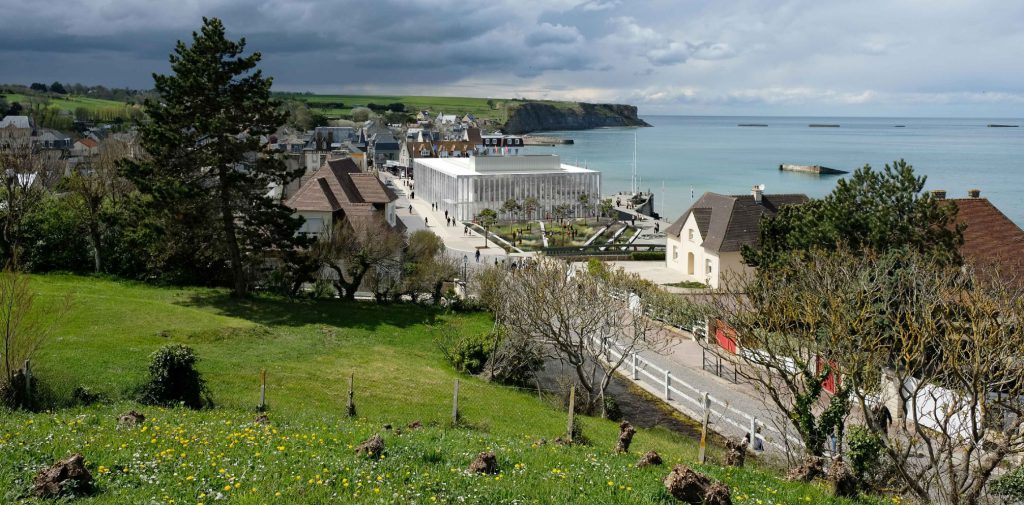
(479, 107)
(70, 103)
(305, 454)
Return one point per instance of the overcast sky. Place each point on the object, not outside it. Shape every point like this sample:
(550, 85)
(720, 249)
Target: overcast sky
(813, 57)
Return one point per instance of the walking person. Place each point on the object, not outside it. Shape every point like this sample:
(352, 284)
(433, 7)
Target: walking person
(478, 255)
(426, 222)
(410, 209)
(465, 230)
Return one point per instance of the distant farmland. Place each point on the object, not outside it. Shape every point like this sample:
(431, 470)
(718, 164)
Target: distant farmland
(336, 106)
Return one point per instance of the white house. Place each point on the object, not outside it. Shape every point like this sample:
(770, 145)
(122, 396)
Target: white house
(705, 242)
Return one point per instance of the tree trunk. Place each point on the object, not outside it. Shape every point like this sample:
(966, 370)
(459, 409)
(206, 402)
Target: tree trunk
(95, 237)
(231, 238)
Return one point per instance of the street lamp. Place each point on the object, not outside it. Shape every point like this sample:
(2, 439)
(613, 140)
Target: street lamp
(465, 266)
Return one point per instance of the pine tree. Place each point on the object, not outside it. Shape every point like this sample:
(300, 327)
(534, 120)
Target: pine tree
(208, 171)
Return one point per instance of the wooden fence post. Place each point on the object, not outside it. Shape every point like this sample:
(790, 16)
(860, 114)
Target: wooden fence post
(350, 409)
(28, 380)
(668, 385)
(455, 403)
(263, 391)
(636, 371)
(706, 403)
(570, 426)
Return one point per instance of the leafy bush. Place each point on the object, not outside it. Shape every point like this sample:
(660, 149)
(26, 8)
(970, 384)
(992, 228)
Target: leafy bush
(173, 379)
(864, 452)
(466, 353)
(647, 256)
(1010, 485)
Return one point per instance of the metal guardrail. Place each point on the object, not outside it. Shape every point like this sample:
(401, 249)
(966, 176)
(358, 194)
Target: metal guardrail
(603, 250)
(712, 362)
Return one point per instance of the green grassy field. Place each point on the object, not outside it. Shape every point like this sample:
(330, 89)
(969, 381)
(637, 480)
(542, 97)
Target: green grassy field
(70, 103)
(479, 107)
(305, 454)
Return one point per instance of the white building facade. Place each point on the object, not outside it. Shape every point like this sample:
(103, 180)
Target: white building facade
(466, 186)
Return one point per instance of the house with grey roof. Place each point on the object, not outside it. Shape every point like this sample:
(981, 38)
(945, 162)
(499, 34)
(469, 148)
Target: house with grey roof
(705, 242)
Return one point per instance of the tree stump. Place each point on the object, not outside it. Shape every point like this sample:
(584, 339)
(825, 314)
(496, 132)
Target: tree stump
(651, 458)
(130, 419)
(626, 432)
(68, 476)
(735, 453)
(811, 468)
(841, 479)
(693, 488)
(485, 462)
(373, 447)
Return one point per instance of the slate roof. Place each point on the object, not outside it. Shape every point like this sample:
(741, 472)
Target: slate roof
(729, 222)
(340, 185)
(991, 240)
(15, 122)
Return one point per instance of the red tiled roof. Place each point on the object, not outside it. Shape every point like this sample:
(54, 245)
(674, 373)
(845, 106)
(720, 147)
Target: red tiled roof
(991, 240)
(88, 142)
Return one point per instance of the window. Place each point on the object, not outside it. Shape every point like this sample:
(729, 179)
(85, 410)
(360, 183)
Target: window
(708, 266)
(675, 252)
(690, 232)
(689, 263)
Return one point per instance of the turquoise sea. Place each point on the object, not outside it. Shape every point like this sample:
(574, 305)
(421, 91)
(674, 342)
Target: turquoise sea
(715, 154)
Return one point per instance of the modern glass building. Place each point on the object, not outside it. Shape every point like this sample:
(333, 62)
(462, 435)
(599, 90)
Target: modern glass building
(465, 186)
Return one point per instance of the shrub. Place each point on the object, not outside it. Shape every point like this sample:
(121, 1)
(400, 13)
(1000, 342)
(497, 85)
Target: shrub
(466, 353)
(864, 452)
(1010, 485)
(84, 395)
(647, 255)
(173, 379)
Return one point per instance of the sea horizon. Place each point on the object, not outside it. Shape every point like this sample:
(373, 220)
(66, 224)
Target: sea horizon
(680, 153)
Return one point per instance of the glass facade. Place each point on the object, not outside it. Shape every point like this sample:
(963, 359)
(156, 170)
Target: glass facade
(464, 196)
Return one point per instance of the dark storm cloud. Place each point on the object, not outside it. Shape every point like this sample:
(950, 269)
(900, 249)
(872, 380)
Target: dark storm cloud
(732, 56)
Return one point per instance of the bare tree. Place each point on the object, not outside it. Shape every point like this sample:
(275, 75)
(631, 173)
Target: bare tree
(355, 247)
(99, 184)
(426, 265)
(576, 317)
(27, 176)
(23, 329)
(792, 331)
(953, 369)
(897, 331)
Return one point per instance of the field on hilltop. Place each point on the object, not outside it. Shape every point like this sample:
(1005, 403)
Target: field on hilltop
(70, 102)
(304, 455)
(484, 108)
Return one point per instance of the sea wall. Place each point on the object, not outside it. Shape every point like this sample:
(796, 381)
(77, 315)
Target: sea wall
(536, 116)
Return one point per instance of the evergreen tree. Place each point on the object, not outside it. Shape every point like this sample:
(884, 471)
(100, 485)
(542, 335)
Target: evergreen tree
(208, 170)
(873, 210)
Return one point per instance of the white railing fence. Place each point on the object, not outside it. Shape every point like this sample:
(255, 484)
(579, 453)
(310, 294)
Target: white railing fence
(688, 399)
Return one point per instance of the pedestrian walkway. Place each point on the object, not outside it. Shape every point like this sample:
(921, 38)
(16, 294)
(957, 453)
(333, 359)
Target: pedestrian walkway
(677, 376)
(455, 237)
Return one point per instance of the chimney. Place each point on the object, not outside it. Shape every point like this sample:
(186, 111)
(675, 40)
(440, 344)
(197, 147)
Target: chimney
(939, 194)
(757, 191)
(974, 193)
